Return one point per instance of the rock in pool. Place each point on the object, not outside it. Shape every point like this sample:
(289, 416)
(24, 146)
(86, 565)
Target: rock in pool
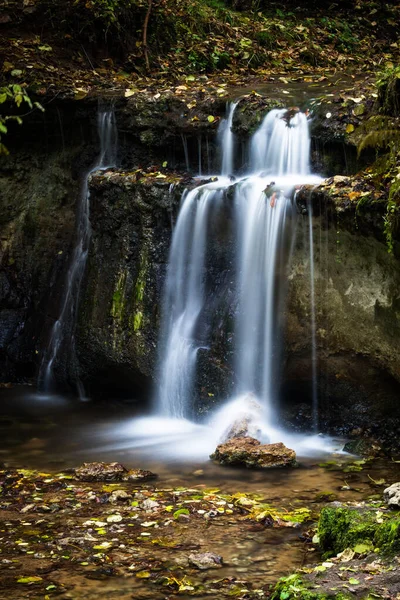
(249, 452)
(97, 471)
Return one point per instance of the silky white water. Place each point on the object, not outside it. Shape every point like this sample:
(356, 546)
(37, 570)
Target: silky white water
(62, 333)
(183, 302)
(227, 140)
(279, 161)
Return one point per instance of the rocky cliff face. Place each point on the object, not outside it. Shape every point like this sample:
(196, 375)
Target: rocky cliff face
(37, 225)
(357, 309)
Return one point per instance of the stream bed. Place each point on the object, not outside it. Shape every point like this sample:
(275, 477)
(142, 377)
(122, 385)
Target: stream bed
(74, 539)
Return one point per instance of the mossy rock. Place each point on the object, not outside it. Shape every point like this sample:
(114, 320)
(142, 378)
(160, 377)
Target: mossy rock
(341, 528)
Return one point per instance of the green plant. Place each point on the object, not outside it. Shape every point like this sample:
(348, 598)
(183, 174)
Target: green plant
(388, 83)
(11, 96)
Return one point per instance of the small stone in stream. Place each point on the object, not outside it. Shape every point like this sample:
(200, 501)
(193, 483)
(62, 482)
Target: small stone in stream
(150, 505)
(392, 495)
(135, 474)
(251, 453)
(206, 560)
(182, 518)
(97, 471)
(119, 496)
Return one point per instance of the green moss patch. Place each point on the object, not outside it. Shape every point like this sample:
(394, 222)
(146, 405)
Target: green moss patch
(341, 528)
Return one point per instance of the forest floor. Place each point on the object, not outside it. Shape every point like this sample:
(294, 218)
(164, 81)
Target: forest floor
(68, 49)
(68, 538)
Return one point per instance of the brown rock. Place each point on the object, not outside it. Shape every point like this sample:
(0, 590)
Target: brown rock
(206, 560)
(97, 471)
(250, 452)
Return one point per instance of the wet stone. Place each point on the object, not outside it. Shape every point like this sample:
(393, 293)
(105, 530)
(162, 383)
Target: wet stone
(392, 495)
(138, 474)
(97, 471)
(205, 560)
(251, 453)
(150, 505)
(119, 496)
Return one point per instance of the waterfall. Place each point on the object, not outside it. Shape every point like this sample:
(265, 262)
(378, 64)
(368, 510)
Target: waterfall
(260, 221)
(183, 302)
(62, 333)
(279, 160)
(227, 140)
(281, 146)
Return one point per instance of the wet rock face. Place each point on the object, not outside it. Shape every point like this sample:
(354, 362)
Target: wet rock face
(357, 322)
(249, 452)
(120, 307)
(37, 223)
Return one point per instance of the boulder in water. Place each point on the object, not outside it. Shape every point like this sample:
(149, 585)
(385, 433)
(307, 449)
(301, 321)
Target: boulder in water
(249, 452)
(98, 471)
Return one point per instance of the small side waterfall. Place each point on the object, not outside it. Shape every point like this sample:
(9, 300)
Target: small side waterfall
(62, 333)
(279, 157)
(227, 140)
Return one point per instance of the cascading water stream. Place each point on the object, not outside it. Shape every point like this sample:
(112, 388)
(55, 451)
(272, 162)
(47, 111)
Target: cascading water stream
(281, 146)
(261, 221)
(183, 303)
(279, 153)
(264, 228)
(62, 333)
(227, 140)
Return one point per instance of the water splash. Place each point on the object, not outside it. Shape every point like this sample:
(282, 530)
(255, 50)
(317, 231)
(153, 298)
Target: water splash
(62, 333)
